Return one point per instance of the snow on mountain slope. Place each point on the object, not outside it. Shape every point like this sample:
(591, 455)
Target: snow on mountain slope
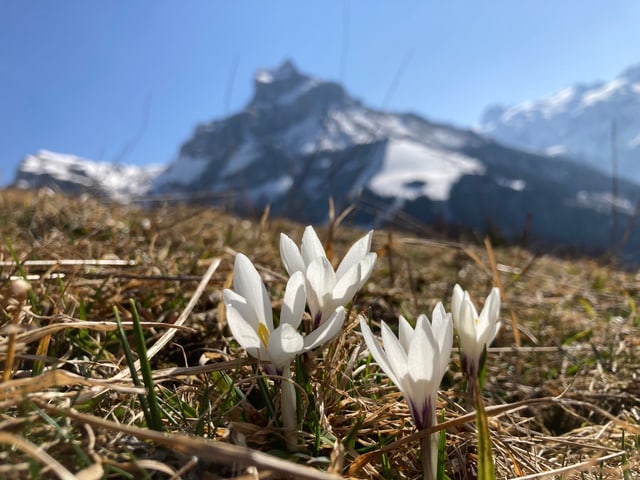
(577, 122)
(68, 172)
(412, 170)
(183, 171)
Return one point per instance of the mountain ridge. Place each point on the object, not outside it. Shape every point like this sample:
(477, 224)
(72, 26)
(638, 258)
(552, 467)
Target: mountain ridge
(72, 174)
(300, 141)
(588, 122)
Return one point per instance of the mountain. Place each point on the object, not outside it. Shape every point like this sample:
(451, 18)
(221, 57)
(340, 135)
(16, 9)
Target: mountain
(577, 122)
(301, 140)
(76, 175)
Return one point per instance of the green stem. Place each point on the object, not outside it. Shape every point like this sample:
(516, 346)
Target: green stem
(288, 411)
(485, 458)
(145, 369)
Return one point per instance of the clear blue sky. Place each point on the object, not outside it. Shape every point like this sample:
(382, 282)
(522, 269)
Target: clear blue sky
(92, 77)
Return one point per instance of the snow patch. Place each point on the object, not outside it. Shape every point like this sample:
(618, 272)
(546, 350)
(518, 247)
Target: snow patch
(272, 189)
(411, 170)
(558, 102)
(283, 72)
(394, 126)
(518, 185)
(264, 76)
(302, 136)
(556, 150)
(241, 159)
(603, 92)
(525, 108)
(184, 170)
(604, 201)
(634, 142)
(291, 97)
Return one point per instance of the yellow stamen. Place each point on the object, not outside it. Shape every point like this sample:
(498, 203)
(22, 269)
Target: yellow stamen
(263, 333)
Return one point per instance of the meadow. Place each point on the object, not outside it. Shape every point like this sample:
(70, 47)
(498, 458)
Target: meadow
(118, 361)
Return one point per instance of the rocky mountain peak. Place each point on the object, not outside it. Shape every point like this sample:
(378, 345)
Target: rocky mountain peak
(282, 73)
(275, 86)
(284, 86)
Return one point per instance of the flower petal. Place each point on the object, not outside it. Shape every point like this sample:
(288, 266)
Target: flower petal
(467, 332)
(422, 359)
(405, 333)
(367, 264)
(396, 356)
(311, 246)
(247, 283)
(442, 327)
(356, 253)
(242, 331)
(488, 319)
(283, 346)
(456, 302)
(246, 311)
(347, 286)
(327, 331)
(294, 301)
(290, 255)
(378, 354)
(320, 280)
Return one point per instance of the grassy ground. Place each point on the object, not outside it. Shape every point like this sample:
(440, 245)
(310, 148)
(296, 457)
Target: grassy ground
(562, 386)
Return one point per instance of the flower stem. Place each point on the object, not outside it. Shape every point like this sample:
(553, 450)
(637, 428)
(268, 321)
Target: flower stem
(429, 453)
(288, 411)
(429, 443)
(485, 458)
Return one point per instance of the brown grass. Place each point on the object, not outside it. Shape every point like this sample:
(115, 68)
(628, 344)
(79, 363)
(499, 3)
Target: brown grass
(562, 385)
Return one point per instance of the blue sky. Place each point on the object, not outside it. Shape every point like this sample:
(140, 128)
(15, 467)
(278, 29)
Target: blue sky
(129, 80)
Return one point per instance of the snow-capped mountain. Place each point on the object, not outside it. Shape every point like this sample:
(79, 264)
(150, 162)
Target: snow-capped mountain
(577, 122)
(298, 129)
(78, 175)
(301, 140)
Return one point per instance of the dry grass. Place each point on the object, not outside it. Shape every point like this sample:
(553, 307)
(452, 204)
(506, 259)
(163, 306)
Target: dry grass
(562, 383)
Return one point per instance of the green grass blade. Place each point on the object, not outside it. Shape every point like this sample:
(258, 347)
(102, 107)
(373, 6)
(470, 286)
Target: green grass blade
(442, 451)
(266, 396)
(132, 366)
(145, 369)
(82, 457)
(485, 457)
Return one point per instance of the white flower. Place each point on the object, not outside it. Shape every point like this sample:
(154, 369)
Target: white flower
(327, 289)
(476, 332)
(416, 361)
(250, 319)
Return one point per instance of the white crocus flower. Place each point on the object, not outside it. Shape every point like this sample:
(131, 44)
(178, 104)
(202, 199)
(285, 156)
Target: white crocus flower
(327, 289)
(416, 361)
(250, 320)
(476, 332)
